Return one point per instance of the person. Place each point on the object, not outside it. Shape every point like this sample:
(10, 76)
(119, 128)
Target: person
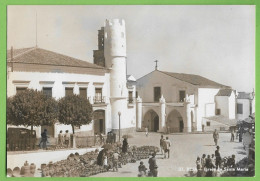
(153, 166)
(167, 145)
(60, 139)
(161, 144)
(232, 134)
(213, 158)
(231, 163)
(216, 137)
(100, 157)
(114, 136)
(146, 131)
(198, 166)
(203, 161)
(209, 167)
(115, 161)
(67, 138)
(125, 146)
(44, 139)
(142, 169)
(105, 165)
(218, 158)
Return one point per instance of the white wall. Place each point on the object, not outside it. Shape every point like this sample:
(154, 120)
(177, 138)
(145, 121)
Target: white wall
(232, 106)
(206, 104)
(246, 108)
(58, 82)
(222, 103)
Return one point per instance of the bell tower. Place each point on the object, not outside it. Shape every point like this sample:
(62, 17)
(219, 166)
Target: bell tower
(115, 61)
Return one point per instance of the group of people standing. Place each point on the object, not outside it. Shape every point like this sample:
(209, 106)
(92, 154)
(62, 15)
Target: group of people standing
(64, 139)
(165, 145)
(207, 165)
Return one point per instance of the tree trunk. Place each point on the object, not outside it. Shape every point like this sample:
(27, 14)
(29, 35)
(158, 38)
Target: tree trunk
(72, 128)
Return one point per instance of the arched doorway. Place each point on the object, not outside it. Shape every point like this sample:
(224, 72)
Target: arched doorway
(175, 122)
(99, 122)
(151, 120)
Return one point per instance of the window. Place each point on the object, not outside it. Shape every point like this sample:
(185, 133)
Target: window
(130, 97)
(20, 89)
(208, 123)
(218, 111)
(47, 91)
(157, 93)
(181, 95)
(68, 91)
(239, 108)
(136, 94)
(98, 95)
(83, 92)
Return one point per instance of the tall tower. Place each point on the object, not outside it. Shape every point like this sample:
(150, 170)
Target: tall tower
(115, 60)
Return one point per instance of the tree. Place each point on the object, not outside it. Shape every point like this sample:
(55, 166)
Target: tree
(31, 108)
(75, 110)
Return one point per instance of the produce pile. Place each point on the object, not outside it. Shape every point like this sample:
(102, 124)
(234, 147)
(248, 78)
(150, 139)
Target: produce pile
(86, 165)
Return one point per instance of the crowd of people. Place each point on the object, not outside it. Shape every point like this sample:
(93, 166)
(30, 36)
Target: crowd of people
(209, 165)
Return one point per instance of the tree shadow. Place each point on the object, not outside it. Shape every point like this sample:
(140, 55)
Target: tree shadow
(209, 145)
(126, 172)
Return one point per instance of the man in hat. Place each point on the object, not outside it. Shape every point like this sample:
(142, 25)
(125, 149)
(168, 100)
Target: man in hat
(167, 146)
(218, 158)
(215, 137)
(161, 144)
(153, 166)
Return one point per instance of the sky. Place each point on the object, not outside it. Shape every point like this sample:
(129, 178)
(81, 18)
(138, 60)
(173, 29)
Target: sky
(216, 42)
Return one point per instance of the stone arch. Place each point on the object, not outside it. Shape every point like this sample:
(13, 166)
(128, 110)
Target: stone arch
(99, 121)
(151, 120)
(175, 122)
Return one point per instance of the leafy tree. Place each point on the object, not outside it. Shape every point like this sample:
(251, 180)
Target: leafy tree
(31, 108)
(75, 110)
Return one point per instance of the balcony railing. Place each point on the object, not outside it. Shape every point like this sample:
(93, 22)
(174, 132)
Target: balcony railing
(99, 100)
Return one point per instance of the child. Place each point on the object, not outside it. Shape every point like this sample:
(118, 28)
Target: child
(105, 163)
(142, 169)
(198, 164)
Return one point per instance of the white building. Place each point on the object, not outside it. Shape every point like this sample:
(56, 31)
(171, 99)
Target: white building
(103, 83)
(178, 102)
(245, 105)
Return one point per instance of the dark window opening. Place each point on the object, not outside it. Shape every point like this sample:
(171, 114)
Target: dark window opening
(130, 97)
(182, 95)
(239, 108)
(20, 89)
(218, 111)
(68, 91)
(208, 123)
(83, 92)
(98, 95)
(157, 94)
(47, 91)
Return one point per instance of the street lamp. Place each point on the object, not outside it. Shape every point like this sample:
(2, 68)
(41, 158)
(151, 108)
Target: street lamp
(119, 114)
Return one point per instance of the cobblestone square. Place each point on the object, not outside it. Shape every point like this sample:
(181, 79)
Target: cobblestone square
(184, 151)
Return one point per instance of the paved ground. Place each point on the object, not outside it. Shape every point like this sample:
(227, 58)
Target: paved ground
(184, 151)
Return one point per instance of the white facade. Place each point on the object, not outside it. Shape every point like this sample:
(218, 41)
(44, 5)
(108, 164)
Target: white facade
(227, 105)
(110, 79)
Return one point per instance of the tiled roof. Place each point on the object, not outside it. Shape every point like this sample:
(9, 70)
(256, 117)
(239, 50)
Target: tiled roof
(224, 92)
(195, 79)
(244, 95)
(40, 56)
